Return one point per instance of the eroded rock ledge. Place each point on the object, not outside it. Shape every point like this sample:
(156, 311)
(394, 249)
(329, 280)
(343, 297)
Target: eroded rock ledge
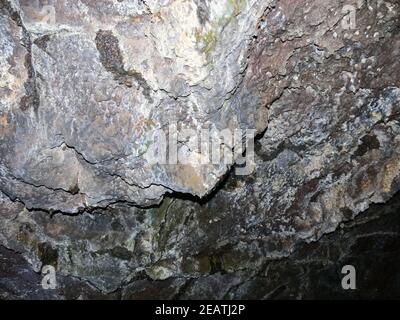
(370, 242)
(82, 88)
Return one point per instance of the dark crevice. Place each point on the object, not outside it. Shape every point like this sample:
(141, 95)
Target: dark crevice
(183, 289)
(203, 11)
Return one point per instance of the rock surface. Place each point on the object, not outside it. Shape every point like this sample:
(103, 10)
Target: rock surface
(370, 242)
(85, 84)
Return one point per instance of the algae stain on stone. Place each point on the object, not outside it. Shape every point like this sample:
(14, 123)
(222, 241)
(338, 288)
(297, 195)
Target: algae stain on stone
(207, 40)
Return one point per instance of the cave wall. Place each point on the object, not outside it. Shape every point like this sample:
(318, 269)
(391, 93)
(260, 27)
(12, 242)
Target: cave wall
(82, 90)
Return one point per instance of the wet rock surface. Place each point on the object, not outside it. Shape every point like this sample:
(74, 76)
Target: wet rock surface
(83, 90)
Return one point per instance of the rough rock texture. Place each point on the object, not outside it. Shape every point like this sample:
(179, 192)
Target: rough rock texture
(370, 242)
(82, 93)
